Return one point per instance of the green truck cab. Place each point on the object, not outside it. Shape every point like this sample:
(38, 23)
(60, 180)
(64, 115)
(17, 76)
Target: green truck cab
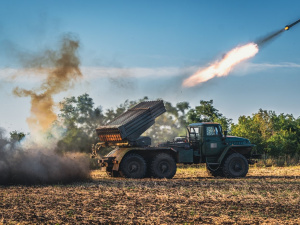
(225, 156)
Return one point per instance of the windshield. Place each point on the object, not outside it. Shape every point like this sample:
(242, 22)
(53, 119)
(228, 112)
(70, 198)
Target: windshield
(213, 130)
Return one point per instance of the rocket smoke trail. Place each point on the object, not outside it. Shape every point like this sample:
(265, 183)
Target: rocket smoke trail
(269, 38)
(231, 59)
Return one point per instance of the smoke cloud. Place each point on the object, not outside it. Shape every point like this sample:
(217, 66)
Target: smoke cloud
(35, 160)
(62, 68)
(30, 163)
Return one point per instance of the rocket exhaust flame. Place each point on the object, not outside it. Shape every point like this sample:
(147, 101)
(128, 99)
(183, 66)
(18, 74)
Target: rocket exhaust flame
(237, 55)
(224, 66)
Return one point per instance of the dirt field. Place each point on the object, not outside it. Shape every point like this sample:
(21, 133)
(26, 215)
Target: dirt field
(266, 195)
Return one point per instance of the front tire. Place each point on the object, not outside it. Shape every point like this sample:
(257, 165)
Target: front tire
(235, 165)
(133, 166)
(163, 166)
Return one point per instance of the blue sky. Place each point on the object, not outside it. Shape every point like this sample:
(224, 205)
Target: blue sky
(131, 49)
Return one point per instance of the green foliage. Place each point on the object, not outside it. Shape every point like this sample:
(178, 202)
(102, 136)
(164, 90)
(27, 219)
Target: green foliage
(16, 136)
(78, 119)
(274, 135)
(206, 112)
(170, 124)
(248, 129)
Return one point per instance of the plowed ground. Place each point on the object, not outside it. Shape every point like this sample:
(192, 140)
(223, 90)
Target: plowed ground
(266, 195)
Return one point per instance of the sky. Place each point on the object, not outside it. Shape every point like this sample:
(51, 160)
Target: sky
(131, 49)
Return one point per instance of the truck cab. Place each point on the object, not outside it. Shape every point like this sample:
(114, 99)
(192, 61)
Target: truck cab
(209, 140)
(208, 144)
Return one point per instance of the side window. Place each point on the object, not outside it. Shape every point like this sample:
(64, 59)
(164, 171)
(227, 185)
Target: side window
(212, 131)
(220, 129)
(197, 132)
(194, 133)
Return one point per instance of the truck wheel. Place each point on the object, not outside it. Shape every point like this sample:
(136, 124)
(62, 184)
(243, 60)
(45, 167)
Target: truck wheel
(235, 165)
(133, 166)
(163, 166)
(215, 173)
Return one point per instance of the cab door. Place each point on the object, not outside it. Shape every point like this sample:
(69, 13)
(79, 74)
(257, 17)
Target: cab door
(213, 140)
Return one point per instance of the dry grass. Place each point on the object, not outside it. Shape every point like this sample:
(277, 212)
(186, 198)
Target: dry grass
(266, 195)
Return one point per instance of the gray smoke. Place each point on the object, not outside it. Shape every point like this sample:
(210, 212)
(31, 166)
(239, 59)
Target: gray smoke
(262, 41)
(34, 165)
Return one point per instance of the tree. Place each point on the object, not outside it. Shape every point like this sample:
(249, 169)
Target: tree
(170, 124)
(166, 126)
(206, 112)
(247, 128)
(274, 135)
(79, 119)
(16, 136)
(182, 108)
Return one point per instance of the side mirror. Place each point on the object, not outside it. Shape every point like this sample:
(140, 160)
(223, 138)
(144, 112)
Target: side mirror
(225, 133)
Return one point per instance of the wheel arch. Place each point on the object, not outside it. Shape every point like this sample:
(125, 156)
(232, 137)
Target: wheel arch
(146, 153)
(244, 150)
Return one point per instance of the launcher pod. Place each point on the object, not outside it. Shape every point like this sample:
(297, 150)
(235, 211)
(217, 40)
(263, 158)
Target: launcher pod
(134, 157)
(129, 126)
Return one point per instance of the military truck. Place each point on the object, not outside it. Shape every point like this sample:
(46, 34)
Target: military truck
(133, 157)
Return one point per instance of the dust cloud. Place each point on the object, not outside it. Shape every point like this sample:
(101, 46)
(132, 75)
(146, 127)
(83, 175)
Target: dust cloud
(34, 159)
(31, 163)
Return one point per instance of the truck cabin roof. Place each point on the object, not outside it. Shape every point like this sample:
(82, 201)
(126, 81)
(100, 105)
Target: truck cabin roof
(202, 123)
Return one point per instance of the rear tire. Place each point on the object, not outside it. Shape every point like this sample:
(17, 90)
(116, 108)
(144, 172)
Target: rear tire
(235, 165)
(215, 173)
(133, 166)
(163, 166)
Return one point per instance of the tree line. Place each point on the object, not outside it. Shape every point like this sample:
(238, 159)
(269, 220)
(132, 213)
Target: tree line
(273, 134)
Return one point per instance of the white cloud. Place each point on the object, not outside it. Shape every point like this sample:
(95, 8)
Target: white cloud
(265, 66)
(135, 72)
(92, 73)
(22, 75)
(248, 67)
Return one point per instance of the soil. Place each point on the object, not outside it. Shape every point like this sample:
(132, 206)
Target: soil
(266, 195)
